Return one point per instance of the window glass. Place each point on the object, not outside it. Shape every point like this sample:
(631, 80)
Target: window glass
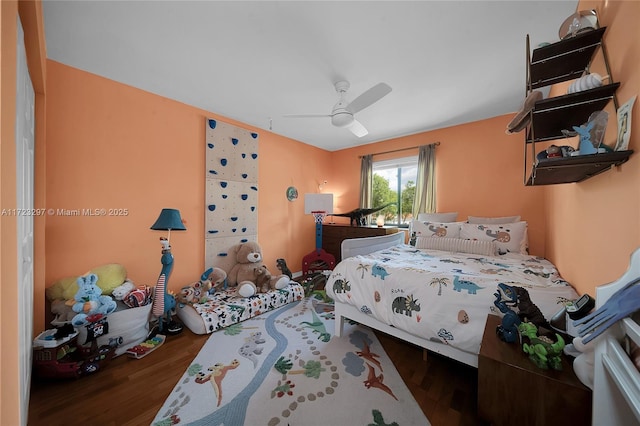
(394, 181)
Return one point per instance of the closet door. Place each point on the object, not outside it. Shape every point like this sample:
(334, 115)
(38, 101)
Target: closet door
(25, 124)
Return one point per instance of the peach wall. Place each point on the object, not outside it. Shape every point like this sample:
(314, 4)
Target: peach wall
(478, 173)
(594, 226)
(112, 146)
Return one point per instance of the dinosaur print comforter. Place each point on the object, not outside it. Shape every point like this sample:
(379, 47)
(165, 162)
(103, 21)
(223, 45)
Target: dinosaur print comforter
(442, 296)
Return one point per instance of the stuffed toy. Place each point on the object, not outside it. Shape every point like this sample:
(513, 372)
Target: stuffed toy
(121, 292)
(197, 292)
(63, 311)
(248, 271)
(110, 276)
(90, 304)
(137, 297)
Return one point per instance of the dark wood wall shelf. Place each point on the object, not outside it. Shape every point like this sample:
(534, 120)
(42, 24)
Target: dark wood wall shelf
(552, 115)
(565, 60)
(575, 169)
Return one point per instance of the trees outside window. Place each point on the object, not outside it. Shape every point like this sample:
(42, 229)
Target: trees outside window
(394, 182)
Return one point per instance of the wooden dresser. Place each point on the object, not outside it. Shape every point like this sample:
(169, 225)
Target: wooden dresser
(512, 390)
(333, 234)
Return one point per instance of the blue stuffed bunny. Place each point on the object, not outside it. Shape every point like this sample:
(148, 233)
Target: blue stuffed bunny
(90, 304)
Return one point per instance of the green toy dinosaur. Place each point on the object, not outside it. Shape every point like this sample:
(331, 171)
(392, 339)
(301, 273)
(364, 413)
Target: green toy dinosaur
(542, 351)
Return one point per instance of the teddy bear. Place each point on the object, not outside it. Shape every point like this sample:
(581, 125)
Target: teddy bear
(210, 280)
(248, 271)
(90, 304)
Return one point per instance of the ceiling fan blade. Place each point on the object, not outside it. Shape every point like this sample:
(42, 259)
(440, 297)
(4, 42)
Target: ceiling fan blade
(306, 115)
(358, 129)
(369, 97)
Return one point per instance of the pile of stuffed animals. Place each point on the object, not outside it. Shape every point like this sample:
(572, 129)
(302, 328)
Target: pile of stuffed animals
(247, 274)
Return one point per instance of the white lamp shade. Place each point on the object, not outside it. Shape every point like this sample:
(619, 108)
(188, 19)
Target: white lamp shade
(318, 203)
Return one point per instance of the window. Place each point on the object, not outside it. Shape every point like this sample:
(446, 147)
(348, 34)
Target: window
(394, 181)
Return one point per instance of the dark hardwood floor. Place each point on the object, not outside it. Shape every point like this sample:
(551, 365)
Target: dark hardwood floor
(130, 392)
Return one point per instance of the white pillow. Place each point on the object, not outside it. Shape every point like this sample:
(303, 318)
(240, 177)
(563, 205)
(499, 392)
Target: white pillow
(509, 237)
(457, 245)
(505, 219)
(438, 217)
(436, 229)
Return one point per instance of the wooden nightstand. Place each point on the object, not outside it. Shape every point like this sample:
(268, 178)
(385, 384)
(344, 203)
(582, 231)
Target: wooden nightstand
(512, 390)
(334, 233)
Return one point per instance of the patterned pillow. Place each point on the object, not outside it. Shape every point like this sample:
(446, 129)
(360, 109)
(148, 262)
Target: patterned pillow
(438, 217)
(509, 237)
(458, 245)
(505, 219)
(436, 229)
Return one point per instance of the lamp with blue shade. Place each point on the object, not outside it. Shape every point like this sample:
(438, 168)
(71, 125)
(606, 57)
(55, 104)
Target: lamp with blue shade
(163, 302)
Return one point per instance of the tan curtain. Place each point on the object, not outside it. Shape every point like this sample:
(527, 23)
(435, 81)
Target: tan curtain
(366, 181)
(425, 197)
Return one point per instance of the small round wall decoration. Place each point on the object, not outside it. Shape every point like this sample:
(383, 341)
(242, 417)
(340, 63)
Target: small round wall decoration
(292, 193)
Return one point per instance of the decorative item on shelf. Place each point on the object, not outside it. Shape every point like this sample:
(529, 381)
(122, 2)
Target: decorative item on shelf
(591, 134)
(522, 117)
(380, 221)
(163, 301)
(584, 20)
(589, 81)
(318, 205)
(624, 124)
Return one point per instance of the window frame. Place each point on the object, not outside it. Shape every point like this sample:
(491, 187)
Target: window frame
(398, 164)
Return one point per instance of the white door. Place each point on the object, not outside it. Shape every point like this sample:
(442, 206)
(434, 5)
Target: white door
(25, 110)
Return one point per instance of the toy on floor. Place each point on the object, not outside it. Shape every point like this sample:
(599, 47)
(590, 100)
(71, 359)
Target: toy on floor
(163, 301)
(249, 275)
(281, 264)
(211, 280)
(90, 305)
(146, 347)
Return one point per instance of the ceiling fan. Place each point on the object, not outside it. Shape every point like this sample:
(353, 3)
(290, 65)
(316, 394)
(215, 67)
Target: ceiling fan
(342, 112)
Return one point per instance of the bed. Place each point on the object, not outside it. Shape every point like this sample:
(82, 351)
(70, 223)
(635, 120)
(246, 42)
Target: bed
(436, 299)
(616, 381)
(225, 308)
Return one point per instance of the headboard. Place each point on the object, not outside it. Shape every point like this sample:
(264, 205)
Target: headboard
(357, 246)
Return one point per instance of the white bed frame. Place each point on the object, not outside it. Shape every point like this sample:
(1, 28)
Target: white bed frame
(616, 381)
(359, 246)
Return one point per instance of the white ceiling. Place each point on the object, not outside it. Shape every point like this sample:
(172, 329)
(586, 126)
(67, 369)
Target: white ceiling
(448, 62)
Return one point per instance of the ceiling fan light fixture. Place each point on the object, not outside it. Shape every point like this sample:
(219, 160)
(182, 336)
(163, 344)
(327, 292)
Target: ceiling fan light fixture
(342, 119)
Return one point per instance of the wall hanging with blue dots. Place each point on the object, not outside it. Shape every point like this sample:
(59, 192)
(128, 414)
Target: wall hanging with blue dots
(231, 189)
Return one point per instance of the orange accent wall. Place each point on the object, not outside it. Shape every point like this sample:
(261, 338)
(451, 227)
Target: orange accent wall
(478, 173)
(112, 146)
(594, 226)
